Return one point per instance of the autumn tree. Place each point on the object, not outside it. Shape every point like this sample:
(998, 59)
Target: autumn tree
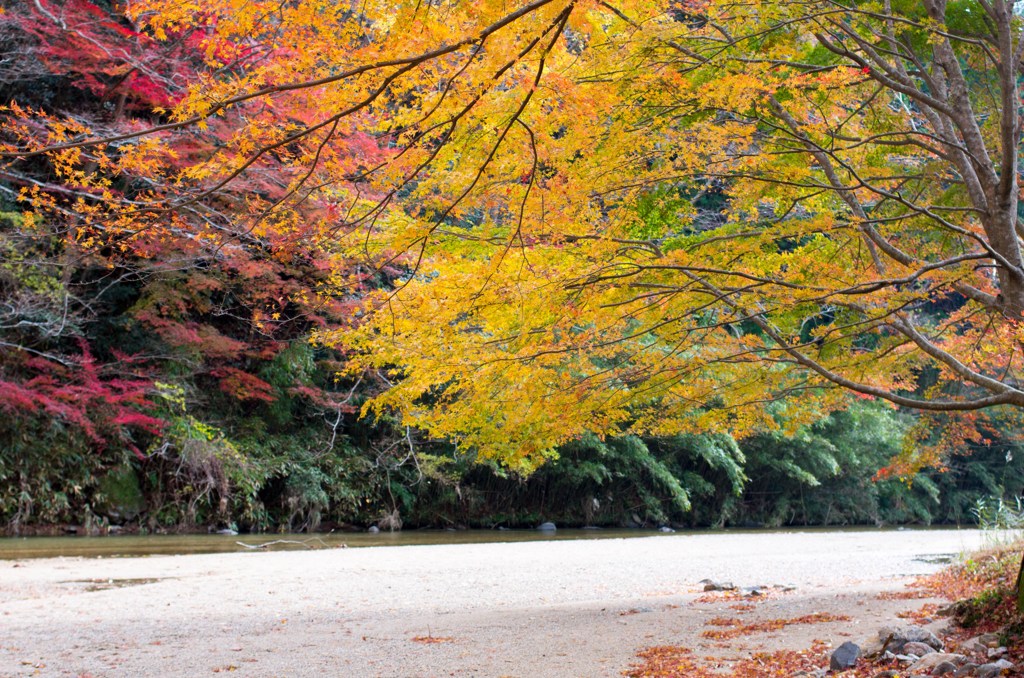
(136, 336)
(648, 217)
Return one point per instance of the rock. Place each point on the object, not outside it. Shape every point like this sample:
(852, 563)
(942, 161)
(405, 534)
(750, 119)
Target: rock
(996, 652)
(944, 668)
(898, 636)
(870, 647)
(989, 639)
(948, 610)
(227, 531)
(920, 649)
(547, 527)
(888, 673)
(752, 591)
(710, 585)
(930, 661)
(992, 669)
(666, 529)
(966, 670)
(373, 529)
(981, 643)
(844, 656)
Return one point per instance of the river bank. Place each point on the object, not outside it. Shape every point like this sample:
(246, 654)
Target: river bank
(552, 608)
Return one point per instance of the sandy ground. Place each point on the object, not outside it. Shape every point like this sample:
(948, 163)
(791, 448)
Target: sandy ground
(558, 608)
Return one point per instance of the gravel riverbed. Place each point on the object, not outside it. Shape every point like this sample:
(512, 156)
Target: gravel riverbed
(528, 609)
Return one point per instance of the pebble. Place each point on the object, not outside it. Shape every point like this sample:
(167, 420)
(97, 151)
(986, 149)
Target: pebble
(710, 585)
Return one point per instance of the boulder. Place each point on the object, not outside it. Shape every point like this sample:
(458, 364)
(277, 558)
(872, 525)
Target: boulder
(870, 647)
(844, 657)
(993, 669)
(898, 636)
(945, 668)
(930, 661)
(373, 529)
(547, 527)
(981, 643)
(920, 649)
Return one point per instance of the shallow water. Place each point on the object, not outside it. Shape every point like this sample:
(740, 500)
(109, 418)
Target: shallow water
(176, 544)
(13, 548)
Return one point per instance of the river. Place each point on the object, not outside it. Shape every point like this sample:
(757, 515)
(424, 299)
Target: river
(14, 548)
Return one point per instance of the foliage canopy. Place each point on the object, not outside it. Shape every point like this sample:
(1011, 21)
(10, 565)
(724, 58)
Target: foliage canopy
(580, 216)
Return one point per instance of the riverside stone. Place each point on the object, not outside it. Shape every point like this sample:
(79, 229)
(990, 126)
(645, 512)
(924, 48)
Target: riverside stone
(930, 661)
(711, 585)
(920, 649)
(844, 656)
(898, 636)
(993, 669)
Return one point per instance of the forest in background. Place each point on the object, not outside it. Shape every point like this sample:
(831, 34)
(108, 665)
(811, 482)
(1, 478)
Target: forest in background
(168, 381)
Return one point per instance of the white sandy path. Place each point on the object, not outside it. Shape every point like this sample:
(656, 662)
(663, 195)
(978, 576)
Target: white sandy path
(519, 609)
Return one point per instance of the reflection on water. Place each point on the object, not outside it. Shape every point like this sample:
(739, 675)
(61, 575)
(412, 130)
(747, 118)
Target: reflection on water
(134, 545)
